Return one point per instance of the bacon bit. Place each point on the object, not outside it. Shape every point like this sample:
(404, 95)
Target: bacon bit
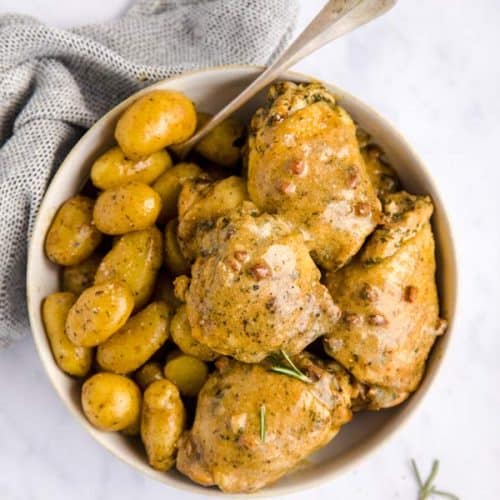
(369, 293)
(377, 320)
(313, 371)
(241, 255)
(286, 187)
(352, 177)
(441, 325)
(221, 364)
(362, 209)
(410, 293)
(298, 167)
(233, 264)
(352, 318)
(259, 271)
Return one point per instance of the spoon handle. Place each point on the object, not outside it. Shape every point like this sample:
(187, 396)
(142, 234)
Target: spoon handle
(337, 18)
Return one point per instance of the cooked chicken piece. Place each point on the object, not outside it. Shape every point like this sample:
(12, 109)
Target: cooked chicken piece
(383, 177)
(255, 289)
(252, 426)
(304, 164)
(390, 312)
(200, 203)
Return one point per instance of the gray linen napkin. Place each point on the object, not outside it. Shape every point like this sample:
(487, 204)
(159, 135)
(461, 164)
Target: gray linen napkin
(54, 84)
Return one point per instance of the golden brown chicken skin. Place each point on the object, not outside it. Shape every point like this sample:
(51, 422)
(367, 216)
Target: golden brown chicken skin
(252, 425)
(304, 163)
(390, 312)
(256, 290)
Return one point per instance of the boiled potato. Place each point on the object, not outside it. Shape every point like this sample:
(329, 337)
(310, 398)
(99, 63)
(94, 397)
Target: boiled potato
(72, 237)
(70, 358)
(187, 373)
(113, 168)
(80, 276)
(154, 121)
(180, 330)
(135, 259)
(111, 402)
(164, 290)
(174, 260)
(148, 374)
(140, 337)
(201, 203)
(163, 420)
(100, 311)
(169, 185)
(219, 144)
(126, 208)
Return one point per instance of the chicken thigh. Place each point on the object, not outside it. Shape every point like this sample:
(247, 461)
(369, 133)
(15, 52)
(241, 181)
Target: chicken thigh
(304, 163)
(389, 303)
(255, 289)
(252, 425)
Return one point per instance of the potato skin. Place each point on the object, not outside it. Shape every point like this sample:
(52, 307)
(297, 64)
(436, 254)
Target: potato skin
(130, 207)
(80, 276)
(169, 186)
(100, 311)
(135, 259)
(180, 330)
(72, 237)
(111, 402)
(113, 168)
(70, 358)
(155, 121)
(148, 373)
(218, 146)
(140, 337)
(163, 420)
(188, 373)
(174, 260)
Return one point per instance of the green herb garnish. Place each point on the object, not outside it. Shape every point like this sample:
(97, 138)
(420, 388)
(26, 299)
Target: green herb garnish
(262, 417)
(427, 488)
(291, 370)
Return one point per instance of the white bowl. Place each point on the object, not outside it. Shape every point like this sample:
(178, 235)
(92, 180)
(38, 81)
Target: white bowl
(210, 90)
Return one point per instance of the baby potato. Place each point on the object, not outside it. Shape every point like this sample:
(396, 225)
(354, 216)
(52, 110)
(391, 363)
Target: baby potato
(80, 276)
(219, 144)
(169, 185)
(163, 420)
(180, 330)
(135, 259)
(126, 208)
(174, 260)
(148, 374)
(113, 168)
(154, 121)
(70, 358)
(111, 402)
(140, 337)
(100, 311)
(164, 290)
(187, 373)
(72, 237)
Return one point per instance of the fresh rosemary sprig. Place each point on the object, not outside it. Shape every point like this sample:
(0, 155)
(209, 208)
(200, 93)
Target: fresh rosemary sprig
(291, 370)
(263, 427)
(427, 488)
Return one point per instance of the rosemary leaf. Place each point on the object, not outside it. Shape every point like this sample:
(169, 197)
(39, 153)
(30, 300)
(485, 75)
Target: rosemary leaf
(427, 489)
(262, 415)
(287, 371)
(444, 494)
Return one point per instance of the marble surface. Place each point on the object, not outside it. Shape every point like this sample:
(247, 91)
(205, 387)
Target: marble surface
(432, 68)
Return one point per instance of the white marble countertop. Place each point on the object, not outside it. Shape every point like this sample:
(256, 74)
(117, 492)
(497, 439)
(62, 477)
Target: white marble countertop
(433, 69)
